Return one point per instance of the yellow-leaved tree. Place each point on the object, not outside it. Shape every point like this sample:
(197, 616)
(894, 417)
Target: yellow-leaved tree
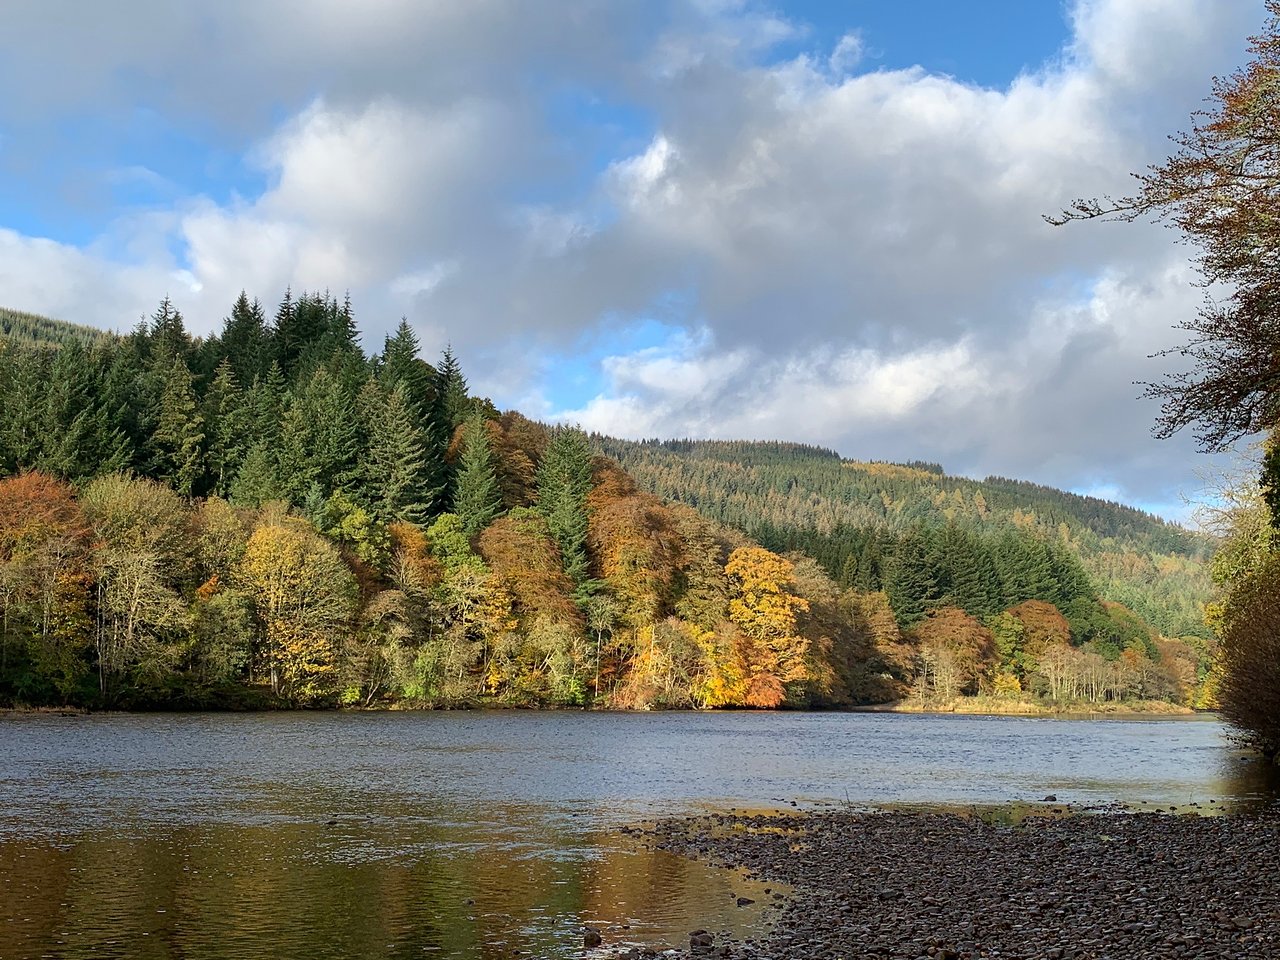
(304, 599)
(764, 608)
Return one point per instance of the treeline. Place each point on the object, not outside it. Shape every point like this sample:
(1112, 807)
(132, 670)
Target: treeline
(849, 514)
(31, 328)
(270, 516)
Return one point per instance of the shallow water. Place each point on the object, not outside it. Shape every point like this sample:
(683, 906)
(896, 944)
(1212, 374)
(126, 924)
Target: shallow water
(475, 835)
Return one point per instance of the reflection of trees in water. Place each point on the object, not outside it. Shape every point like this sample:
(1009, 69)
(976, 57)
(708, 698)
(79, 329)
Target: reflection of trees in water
(1249, 779)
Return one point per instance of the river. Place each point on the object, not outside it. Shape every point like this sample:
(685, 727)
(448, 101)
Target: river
(477, 835)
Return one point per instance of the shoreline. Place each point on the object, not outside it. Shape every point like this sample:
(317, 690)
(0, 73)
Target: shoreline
(995, 707)
(979, 707)
(1055, 885)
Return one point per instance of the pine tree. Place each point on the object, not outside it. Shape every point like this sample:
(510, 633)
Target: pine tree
(400, 364)
(179, 433)
(245, 340)
(266, 404)
(394, 466)
(319, 437)
(257, 480)
(226, 420)
(564, 480)
(452, 403)
(910, 584)
(79, 439)
(168, 335)
(477, 499)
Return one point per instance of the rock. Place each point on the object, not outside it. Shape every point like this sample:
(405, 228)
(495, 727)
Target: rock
(591, 938)
(743, 901)
(701, 940)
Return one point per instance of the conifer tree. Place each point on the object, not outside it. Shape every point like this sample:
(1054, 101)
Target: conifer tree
(179, 433)
(168, 335)
(564, 480)
(226, 423)
(79, 440)
(245, 340)
(452, 403)
(319, 437)
(258, 481)
(477, 499)
(910, 585)
(395, 466)
(400, 364)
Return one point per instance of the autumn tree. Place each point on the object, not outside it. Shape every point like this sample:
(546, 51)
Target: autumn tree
(143, 557)
(955, 650)
(764, 607)
(45, 546)
(304, 598)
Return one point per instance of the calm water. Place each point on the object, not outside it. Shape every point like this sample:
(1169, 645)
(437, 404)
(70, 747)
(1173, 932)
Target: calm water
(479, 834)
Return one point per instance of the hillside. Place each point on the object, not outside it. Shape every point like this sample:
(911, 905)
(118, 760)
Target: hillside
(273, 516)
(841, 512)
(30, 328)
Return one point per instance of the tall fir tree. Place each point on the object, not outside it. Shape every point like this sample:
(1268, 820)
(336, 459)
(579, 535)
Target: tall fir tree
(245, 340)
(320, 440)
(226, 420)
(177, 442)
(564, 480)
(168, 335)
(453, 405)
(477, 498)
(394, 465)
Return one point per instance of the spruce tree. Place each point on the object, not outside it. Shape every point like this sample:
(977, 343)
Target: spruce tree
(564, 480)
(79, 440)
(179, 433)
(257, 480)
(394, 467)
(910, 583)
(477, 499)
(168, 335)
(399, 364)
(226, 420)
(452, 403)
(319, 437)
(245, 340)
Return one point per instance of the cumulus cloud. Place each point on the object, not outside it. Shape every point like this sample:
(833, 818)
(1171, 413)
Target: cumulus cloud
(854, 258)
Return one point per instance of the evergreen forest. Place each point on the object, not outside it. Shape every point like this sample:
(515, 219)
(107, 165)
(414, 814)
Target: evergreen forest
(276, 516)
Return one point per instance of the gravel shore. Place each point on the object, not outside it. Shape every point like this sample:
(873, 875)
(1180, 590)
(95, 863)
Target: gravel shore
(1120, 886)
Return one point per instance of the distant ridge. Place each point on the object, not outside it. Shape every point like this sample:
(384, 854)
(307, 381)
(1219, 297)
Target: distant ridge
(32, 328)
(792, 496)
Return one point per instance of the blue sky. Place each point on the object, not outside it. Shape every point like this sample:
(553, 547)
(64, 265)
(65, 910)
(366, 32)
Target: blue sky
(806, 220)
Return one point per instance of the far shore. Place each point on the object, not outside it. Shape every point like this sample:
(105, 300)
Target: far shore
(967, 706)
(1001, 707)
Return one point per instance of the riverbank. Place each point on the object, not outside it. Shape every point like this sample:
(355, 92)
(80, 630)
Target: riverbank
(1005, 707)
(901, 886)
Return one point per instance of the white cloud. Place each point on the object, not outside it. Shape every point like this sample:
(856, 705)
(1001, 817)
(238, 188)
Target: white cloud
(858, 259)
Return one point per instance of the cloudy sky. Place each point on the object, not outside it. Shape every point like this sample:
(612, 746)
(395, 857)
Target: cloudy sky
(811, 220)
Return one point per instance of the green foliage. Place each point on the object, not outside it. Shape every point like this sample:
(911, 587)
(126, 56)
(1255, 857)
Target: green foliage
(564, 480)
(477, 499)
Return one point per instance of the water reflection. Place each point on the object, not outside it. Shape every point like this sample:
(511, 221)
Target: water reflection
(225, 892)
(476, 836)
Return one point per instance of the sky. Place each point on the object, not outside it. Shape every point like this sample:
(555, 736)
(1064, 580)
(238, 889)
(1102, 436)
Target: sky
(812, 220)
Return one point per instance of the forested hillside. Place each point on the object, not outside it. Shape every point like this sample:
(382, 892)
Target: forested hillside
(856, 517)
(275, 516)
